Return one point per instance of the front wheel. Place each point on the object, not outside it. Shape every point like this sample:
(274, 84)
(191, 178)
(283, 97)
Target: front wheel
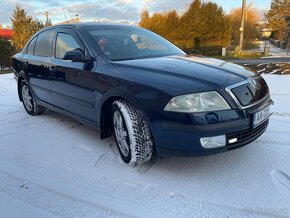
(132, 133)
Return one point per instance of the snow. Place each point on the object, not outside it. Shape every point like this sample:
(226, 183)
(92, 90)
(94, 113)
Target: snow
(54, 166)
(274, 51)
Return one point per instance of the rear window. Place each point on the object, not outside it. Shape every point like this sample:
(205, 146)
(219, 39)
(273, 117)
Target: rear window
(44, 43)
(31, 46)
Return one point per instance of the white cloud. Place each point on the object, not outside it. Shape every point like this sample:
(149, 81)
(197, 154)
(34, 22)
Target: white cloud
(125, 1)
(90, 10)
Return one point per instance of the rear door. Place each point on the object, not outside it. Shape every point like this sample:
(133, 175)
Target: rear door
(72, 83)
(37, 64)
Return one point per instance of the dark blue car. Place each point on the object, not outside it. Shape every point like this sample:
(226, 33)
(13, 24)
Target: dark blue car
(132, 83)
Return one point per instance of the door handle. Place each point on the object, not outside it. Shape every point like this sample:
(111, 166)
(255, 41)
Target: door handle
(52, 69)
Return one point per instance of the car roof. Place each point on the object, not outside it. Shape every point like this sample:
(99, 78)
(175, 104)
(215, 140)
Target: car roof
(87, 24)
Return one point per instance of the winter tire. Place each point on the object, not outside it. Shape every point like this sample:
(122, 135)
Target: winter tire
(132, 133)
(28, 100)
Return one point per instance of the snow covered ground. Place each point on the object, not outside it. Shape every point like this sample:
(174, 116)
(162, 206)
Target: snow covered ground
(53, 166)
(274, 51)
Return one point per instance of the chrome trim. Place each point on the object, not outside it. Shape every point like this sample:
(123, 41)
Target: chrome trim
(249, 80)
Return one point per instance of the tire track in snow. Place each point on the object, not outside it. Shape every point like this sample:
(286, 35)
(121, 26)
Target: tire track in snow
(281, 114)
(7, 134)
(147, 166)
(103, 160)
(114, 148)
(81, 148)
(50, 201)
(13, 112)
(8, 105)
(21, 119)
(116, 155)
(281, 181)
(148, 198)
(282, 147)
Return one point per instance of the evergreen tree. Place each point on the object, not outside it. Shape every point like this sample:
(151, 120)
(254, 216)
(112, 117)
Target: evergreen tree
(171, 26)
(215, 29)
(191, 24)
(276, 17)
(145, 20)
(24, 27)
(7, 50)
(202, 24)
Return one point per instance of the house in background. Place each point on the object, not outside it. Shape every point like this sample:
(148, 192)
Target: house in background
(6, 33)
(74, 20)
(266, 32)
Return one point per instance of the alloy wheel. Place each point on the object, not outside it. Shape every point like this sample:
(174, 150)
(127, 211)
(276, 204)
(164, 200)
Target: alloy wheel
(27, 98)
(121, 133)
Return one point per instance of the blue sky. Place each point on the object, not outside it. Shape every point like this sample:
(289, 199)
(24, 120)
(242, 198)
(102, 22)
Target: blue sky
(104, 10)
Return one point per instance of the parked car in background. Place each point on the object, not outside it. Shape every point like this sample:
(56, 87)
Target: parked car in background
(132, 83)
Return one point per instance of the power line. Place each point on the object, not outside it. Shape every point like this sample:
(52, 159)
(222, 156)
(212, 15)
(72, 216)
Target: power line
(46, 14)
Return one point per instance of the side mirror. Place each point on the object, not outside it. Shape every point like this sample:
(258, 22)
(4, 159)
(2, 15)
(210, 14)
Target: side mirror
(74, 56)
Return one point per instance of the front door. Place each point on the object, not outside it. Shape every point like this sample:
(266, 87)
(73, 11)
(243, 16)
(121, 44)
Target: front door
(72, 83)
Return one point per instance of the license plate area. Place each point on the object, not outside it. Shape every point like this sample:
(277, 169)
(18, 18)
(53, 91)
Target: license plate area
(260, 116)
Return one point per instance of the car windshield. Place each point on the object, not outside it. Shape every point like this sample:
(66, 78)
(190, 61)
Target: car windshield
(131, 43)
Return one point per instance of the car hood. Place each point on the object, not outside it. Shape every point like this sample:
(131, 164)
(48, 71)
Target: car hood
(183, 73)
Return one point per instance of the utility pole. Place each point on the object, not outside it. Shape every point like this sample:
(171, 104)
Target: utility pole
(46, 15)
(65, 15)
(242, 28)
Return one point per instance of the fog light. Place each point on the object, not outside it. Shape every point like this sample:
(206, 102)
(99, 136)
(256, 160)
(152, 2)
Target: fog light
(213, 142)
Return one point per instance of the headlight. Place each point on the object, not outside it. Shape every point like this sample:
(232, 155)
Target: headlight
(197, 102)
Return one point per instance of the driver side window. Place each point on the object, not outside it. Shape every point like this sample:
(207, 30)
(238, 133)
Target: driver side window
(64, 43)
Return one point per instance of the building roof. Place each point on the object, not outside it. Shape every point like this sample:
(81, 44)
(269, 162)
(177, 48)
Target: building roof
(74, 20)
(6, 33)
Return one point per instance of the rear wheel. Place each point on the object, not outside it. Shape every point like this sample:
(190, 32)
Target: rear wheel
(28, 100)
(132, 133)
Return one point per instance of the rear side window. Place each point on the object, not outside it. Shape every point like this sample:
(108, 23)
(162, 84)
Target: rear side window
(31, 46)
(64, 43)
(44, 43)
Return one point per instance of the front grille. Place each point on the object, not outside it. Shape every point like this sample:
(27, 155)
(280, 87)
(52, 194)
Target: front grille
(249, 92)
(247, 134)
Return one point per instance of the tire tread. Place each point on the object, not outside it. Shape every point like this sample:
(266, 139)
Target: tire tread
(141, 143)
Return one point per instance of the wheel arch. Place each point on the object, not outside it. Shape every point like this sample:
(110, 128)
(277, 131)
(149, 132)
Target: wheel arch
(21, 77)
(104, 111)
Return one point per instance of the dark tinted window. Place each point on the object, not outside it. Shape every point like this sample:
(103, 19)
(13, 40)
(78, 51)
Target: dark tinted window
(31, 46)
(44, 43)
(64, 43)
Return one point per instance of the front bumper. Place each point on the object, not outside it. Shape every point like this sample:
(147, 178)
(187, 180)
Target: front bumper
(175, 137)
